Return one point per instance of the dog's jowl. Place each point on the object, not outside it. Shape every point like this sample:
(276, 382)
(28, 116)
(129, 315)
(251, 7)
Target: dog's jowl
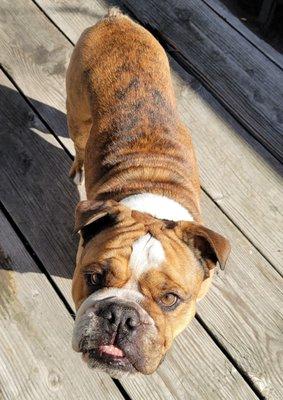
(144, 256)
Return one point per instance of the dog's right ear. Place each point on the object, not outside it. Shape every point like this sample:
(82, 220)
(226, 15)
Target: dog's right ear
(93, 216)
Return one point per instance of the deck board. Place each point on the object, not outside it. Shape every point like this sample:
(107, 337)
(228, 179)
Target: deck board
(234, 178)
(29, 165)
(35, 335)
(223, 11)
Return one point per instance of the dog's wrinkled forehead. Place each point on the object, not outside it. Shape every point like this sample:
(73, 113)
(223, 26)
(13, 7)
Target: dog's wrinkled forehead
(141, 254)
(147, 252)
(143, 242)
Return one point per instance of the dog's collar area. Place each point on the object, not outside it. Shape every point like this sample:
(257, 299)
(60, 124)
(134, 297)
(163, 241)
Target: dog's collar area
(158, 206)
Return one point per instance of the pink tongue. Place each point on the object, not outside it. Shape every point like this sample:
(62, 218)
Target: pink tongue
(111, 350)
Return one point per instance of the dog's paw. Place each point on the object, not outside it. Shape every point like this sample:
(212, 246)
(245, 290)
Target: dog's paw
(78, 178)
(76, 173)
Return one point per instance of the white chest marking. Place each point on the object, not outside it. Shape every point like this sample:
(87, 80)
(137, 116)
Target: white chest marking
(147, 252)
(158, 206)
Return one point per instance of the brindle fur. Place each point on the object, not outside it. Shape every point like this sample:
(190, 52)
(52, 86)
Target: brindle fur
(122, 117)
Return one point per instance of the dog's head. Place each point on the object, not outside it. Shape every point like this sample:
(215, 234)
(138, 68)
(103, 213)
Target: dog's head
(136, 284)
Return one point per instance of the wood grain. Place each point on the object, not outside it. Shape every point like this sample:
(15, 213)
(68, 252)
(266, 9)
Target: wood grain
(35, 187)
(244, 309)
(37, 361)
(35, 55)
(34, 169)
(235, 168)
(240, 76)
(223, 11)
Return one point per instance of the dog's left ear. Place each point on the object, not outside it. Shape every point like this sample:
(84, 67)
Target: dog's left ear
(209, 246)
(93, 216)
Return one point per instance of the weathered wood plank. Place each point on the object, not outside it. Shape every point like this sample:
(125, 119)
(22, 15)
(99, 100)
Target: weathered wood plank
(36, 64)
(240, 76)
(35, 335)
(221, 9)
(32, 167)
(247, 170)
(238, 313)
(34, 185)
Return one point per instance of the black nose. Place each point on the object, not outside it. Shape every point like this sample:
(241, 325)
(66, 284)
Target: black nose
(120, 316)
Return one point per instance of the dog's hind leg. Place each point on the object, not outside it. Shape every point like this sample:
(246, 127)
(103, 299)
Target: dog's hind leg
(79, 131)
(78, 114)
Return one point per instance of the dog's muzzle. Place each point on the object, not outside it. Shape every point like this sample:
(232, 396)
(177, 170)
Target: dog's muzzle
(117, 335)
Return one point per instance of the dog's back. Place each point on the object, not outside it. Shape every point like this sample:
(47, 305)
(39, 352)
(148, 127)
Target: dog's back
(119, 76)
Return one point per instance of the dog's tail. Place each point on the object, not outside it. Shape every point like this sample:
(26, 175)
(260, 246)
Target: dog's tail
(114, 12)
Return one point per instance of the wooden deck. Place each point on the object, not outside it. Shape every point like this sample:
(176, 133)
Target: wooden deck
(229, 86)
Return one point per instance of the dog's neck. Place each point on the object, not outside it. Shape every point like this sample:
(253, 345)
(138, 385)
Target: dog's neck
(158, 206)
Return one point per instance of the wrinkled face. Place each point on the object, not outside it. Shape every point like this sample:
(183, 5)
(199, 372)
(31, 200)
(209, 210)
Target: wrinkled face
(135, 288)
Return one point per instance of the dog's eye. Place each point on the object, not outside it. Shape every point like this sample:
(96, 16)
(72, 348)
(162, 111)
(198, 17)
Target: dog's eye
(95, 281)
(91, 279)
(169, 301)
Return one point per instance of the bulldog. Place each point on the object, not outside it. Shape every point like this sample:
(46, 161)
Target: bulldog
(144, 258)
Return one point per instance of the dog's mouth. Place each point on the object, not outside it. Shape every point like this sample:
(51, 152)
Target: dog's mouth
(108, 355)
